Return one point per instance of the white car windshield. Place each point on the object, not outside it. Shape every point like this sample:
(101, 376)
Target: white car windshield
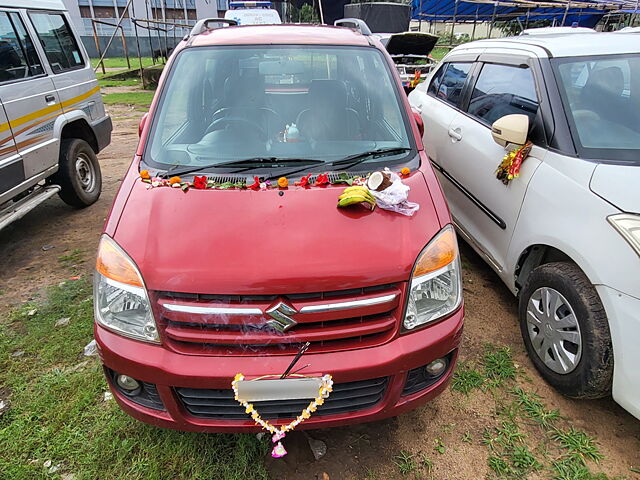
(602, 99)
(227, 104)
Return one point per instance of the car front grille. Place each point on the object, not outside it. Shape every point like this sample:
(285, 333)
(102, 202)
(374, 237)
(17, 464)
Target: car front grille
(240, 325)
(220, 404)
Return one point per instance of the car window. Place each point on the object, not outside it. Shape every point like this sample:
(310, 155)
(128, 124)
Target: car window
(448, 82)
(503, 90)
(58, 42)
(223, 104)
(601, 95)
(18, 58)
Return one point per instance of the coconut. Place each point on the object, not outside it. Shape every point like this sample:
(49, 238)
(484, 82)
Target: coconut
(378, 181)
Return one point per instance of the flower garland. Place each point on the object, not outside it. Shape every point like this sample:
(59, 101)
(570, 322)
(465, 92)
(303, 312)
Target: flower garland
(203, 183)
(279, 433)
(509, 168)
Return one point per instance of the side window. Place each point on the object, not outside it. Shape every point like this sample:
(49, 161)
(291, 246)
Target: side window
(448, 82)
(57, 41)
(18, 58)
(503, 90)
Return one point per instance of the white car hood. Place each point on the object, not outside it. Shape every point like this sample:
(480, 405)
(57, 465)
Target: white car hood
(619, 185)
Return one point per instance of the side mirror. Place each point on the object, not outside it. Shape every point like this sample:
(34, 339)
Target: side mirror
(143, 122)
(510, 129)
(420, 122)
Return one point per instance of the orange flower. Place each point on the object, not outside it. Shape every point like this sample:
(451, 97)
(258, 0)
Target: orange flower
(405, 171)
(173, 180)
(144, 174)
(283, 182)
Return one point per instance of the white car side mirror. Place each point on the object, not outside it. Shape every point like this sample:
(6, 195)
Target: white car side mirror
(510, 129)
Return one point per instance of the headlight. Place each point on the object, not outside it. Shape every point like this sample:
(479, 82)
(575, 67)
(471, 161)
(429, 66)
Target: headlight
(628, 225)
(435, 289)
(120, 298)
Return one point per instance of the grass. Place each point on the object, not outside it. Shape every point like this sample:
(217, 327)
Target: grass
(578, 443)
(140, 99)
(121, 62)
(71, 259)
(405, 462)
(534, 409)
(57, 412)
(439, 52)
(465, 379)
(129, 82)
(498, 365)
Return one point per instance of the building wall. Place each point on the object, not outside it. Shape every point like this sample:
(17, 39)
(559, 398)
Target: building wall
(184, 12)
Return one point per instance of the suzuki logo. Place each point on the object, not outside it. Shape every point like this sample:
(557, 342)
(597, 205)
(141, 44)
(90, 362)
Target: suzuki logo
(280, 315)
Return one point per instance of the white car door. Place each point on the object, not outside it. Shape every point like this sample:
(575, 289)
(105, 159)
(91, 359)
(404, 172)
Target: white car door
(437, 102)
(485, 209)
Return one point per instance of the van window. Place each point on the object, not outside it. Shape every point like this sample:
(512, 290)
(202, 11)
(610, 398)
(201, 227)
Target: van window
(448, 82)
(18, 58)
(503, 90)
(58, 42)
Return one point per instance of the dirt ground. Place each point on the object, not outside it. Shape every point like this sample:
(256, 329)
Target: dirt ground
(32, 247)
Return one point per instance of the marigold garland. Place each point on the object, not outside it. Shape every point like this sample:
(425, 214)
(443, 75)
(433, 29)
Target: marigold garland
(510, 166)
(279, 433)
(283, 182)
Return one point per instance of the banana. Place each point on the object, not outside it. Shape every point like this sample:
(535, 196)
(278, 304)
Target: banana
(356, 198)
(356, 190)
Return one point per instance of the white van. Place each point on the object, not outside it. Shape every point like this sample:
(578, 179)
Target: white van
(252, 13)
(52, 120)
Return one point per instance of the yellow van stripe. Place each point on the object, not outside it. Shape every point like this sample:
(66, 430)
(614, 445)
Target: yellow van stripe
(47, 110)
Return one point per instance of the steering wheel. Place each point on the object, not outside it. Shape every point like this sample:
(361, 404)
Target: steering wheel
(224, 121)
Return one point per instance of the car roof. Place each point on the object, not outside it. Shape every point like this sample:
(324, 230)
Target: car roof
(279, 35)
(567, 45)
(34, 4)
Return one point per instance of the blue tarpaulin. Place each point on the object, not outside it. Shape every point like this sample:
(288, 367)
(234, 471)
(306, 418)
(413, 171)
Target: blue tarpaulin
(468, 11)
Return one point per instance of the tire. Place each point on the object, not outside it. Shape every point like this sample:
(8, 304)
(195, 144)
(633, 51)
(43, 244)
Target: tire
(574, 357)
(79, 173)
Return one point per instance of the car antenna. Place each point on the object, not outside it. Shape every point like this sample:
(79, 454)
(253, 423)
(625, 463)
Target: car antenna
(301, 351)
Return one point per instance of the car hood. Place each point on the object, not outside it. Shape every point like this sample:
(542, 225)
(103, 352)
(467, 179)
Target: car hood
(260, 242)
(409, 43)
(618, 184)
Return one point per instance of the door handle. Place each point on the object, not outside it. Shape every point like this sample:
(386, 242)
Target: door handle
(49, 98)
(455, 133)
(417, 109)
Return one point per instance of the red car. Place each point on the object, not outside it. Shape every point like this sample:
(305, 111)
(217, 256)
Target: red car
(224, 251)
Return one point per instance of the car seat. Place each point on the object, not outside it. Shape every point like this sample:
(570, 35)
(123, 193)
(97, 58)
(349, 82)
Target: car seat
(328, 117)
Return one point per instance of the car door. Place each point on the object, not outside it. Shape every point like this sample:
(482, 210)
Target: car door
(438, 103)
(484, 208)
(11, 168)
(29, 96)
(75, 82)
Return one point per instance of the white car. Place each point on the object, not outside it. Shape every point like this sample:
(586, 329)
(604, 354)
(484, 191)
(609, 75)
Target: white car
(565, 234)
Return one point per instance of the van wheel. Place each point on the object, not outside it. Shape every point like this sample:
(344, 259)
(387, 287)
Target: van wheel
(566, 332)
(79, 174)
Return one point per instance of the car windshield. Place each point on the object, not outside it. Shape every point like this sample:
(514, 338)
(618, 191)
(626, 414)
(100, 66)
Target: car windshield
(227, 104)
(601, 96)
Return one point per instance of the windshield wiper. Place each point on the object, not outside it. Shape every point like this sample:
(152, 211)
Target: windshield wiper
(358, 158)
(247, 162)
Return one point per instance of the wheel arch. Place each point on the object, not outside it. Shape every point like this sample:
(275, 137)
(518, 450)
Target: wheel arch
(535, 255)
(75, 125)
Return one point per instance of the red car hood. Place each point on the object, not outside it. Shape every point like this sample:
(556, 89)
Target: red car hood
(246, 242)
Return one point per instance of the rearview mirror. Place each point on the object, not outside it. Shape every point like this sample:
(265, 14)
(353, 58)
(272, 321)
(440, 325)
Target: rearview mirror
(510, 129)
(142, 123)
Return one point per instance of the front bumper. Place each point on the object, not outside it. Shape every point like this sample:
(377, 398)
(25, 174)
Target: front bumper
(624, 324)
(168, 370)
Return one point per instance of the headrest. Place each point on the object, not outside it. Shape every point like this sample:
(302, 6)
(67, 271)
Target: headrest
(610, 79)
(329, 93)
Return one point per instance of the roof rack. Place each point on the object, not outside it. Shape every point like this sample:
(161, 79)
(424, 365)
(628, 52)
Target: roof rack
(203, 26)
(355, 24)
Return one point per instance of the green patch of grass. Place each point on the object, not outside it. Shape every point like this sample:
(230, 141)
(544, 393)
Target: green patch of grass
(523, 459)
(535, 409)
(405, 462)
(129, 82)
(579, 443)
(57, 412)
(426, 463)
(467, 437)
(573, 468)
(74, 257)
(121, 62)
(141, 99)
(498, 365)
(439, 52)
(439, 446)
(465, 379)
(499, 466)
